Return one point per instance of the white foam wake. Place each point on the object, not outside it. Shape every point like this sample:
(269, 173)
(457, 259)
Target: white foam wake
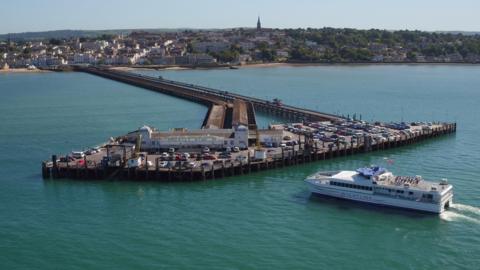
(459, 212)
(466, 208)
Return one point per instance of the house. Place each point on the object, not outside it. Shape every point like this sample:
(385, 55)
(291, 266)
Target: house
(377, 58)
(205, 47)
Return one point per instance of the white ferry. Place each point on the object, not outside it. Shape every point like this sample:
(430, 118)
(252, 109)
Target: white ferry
(376, 185)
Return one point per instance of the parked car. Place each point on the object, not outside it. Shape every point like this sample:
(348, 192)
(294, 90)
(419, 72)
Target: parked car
(66, 159)
(209, 157)
(163, 164)
(269, 145)
(241, 159)
(78, 154)
(134, 162)
(91, 151)
(225, 155)
(190, 164)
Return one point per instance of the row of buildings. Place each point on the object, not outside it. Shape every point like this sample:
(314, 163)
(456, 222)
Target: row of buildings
(232, 46)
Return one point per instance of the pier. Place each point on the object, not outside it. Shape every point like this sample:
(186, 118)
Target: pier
(209, 96)
(218, 149)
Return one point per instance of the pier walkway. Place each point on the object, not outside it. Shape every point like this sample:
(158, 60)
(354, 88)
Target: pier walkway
(210, 96)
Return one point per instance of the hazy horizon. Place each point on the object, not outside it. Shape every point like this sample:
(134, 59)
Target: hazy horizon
(52, 15)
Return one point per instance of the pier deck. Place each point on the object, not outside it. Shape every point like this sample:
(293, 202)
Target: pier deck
(277, 157)
(225, 111)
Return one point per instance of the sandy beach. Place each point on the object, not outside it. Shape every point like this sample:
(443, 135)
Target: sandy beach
(22, 70)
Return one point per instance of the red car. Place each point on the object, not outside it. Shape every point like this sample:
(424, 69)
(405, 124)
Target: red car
(209, 157)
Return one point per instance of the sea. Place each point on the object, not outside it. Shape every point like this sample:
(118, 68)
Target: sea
(265, 220)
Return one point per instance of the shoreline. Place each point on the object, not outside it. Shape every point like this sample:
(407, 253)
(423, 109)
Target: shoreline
(22, 70)
(306, 64)
(292, 64)
(253, 65)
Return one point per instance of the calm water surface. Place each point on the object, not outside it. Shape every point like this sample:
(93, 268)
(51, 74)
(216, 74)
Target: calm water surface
(265, 220)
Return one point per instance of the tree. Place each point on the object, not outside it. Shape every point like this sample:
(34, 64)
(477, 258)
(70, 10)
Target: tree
(54, 41)
(27, 51)
(190, 48)
(105, 37)
(412, 56)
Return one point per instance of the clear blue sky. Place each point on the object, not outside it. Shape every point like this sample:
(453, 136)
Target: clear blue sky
(33, 15)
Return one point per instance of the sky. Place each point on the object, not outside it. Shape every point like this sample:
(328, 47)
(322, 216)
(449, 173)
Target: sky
(430, 15)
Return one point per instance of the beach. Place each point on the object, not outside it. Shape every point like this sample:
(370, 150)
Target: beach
(22, 70)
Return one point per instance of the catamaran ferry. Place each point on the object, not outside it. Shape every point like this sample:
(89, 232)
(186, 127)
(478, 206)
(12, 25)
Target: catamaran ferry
(378, 186)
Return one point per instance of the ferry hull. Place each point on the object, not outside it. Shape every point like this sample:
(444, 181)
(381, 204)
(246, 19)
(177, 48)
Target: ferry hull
(370, 198)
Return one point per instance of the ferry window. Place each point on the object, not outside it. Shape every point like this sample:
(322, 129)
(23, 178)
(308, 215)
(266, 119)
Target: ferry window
(410, 193)
(429, 196)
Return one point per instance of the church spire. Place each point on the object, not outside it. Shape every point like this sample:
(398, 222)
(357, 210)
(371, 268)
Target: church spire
(259, 24)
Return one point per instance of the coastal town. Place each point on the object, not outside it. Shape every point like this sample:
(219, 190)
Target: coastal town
(241, 46)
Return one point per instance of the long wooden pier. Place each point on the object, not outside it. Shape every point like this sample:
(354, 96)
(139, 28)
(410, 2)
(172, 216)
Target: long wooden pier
(209, 96)
(225, 111)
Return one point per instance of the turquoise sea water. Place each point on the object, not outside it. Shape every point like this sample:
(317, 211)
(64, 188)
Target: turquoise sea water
(265, 220)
